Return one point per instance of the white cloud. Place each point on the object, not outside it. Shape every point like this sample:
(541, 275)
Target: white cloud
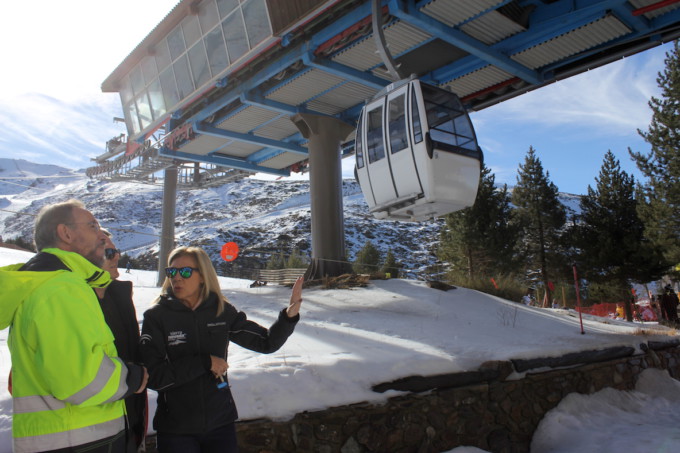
(607, 100)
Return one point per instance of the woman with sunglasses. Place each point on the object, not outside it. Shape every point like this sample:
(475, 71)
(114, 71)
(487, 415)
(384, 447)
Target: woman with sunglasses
(185, 340)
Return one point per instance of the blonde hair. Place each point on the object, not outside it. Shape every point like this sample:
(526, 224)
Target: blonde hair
(207, 270)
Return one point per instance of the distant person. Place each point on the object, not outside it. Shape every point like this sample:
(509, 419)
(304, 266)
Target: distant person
(185, 338)
(121, 317)
(528, 298)
(669, 304)
(68, 383)
(128, 266)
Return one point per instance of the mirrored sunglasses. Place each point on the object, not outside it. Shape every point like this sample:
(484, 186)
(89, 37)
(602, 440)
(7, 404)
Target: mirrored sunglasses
(184, 272)
(110, 253)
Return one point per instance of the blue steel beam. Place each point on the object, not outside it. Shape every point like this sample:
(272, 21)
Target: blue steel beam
(346, 72)
(544, 28)
(224, 161)
(459, 39)
(201, 128)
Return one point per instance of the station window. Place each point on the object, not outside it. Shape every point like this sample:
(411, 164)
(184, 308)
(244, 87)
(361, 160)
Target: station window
(190, 30)
(257, 21)
(149, 69)
(225, 7)
(197, 50)
(185, 84)
(235, 34)
(176, 43)
(207, 15)
(163, 59)
(199, 64)
(217, 51)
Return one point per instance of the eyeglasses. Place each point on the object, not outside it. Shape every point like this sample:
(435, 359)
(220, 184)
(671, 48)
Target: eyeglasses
(93, 224)
(184, 272)
(109, 254)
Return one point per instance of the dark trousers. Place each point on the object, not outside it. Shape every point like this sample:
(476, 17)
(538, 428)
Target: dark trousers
(220, 440)
(113, 444)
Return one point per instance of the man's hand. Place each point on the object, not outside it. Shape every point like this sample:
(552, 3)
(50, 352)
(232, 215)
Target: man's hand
(144, 381)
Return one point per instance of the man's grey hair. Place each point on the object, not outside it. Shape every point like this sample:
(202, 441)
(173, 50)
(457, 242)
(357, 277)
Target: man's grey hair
(45, 231)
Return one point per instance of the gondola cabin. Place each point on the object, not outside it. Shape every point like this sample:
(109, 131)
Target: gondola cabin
(416, 153)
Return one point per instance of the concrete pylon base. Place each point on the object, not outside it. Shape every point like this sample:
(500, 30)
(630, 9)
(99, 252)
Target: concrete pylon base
(325, 134)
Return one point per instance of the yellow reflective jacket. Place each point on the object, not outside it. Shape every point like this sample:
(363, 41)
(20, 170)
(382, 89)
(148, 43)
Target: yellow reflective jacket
(67, 379)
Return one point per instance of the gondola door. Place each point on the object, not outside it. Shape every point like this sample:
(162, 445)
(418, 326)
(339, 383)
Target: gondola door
(402, 161)
(379, 172)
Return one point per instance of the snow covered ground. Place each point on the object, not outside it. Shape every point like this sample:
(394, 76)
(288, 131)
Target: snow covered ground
(349, 340)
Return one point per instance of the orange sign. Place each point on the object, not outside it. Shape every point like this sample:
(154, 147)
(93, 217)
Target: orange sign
(229, 251)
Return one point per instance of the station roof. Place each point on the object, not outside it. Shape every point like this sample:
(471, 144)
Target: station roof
(321, 57)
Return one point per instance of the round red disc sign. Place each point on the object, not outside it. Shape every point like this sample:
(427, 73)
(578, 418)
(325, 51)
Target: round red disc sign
(229, 251)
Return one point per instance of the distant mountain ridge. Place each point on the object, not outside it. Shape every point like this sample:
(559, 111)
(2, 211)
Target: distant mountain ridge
(262, 217)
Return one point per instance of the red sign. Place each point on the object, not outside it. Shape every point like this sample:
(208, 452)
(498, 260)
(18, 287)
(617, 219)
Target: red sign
(229, 251)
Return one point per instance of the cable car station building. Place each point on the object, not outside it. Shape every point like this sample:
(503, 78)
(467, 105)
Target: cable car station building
(277, 86)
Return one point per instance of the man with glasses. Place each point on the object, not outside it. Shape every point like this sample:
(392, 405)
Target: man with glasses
(68, 383)
(121, 317)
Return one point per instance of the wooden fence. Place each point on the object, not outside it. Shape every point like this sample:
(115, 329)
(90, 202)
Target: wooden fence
(280, 276)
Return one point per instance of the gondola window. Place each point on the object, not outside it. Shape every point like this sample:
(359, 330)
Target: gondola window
(397, 125)
(374, 135)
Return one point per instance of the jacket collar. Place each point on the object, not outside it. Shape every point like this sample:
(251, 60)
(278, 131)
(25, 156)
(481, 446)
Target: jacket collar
(94, 276)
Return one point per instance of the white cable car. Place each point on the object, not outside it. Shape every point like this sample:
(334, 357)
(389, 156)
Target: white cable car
(416, 153)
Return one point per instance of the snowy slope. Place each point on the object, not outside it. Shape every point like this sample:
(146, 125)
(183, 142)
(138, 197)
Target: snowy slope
(262, 217)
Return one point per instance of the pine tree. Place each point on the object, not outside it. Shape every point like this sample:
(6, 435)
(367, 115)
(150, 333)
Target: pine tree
(612, 249)
(277, 261)
(659, 205)
(540, 216)
(390, 266)
(480, 241)
(367, 260)
(296, 260)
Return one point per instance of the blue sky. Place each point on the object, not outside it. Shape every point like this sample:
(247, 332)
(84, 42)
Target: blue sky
(53, 110)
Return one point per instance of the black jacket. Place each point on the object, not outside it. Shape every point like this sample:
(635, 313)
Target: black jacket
(176, 347)
(121, 317)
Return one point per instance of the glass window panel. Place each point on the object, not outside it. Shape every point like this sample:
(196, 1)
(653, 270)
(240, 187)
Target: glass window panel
(144, 110)
(191, 30)
(176, 43)
(359, 143)
(163, 59)
(170, 94)
(374, 136)
(185, 85)
(156, 98)
(257, 21)
(132, 119)
(235, 35)
(207, 15)
(149, 69)
(199, 64)
(415, 119)
(137, 80)
(217, 51)
(126, 91)
(397, 124)
(226, 6)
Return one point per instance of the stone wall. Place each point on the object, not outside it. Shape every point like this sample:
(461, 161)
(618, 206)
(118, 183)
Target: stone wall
(496, 408)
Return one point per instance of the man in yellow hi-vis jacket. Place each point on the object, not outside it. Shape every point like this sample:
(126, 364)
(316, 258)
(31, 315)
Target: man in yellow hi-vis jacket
(68, 384)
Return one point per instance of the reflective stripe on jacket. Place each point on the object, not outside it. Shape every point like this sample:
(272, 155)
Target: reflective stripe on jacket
(67, 378)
